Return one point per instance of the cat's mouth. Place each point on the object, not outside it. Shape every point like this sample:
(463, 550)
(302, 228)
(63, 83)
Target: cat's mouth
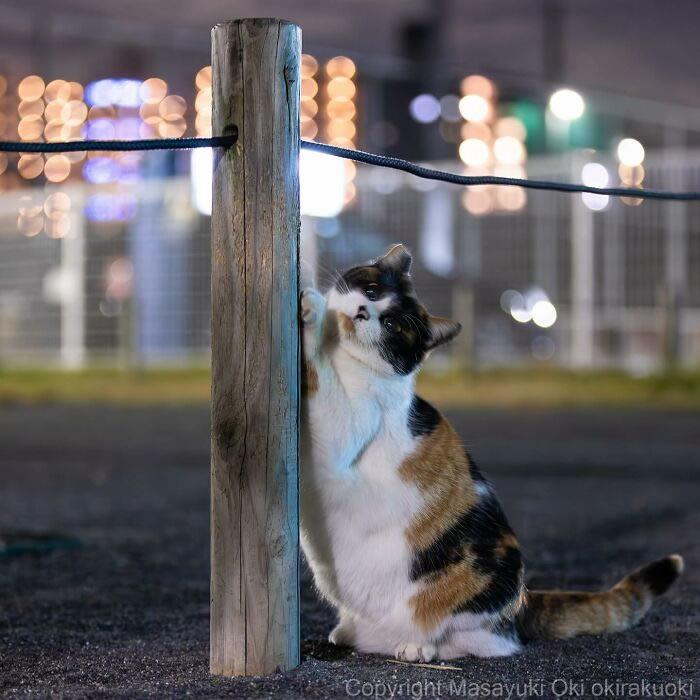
(362, 314)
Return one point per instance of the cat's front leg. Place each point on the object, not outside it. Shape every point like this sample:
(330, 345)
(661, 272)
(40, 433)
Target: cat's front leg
(313, 309)
(343, 634)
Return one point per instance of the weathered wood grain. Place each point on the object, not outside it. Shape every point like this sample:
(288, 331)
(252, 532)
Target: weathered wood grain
(255, 349)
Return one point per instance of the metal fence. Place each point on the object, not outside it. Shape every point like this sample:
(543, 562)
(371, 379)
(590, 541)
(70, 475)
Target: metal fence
(119, 275)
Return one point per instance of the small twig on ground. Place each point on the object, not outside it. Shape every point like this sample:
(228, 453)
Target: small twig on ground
(439, 667)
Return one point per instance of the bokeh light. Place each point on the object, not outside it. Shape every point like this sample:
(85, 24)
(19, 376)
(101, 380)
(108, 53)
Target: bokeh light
(630, 152)
(30, 108)
(340, 67)
(30, 166)
(57, 227)
(308, 130)
(511, 198)
(30, 226)
(474, 108)
(474, 152)
(57, 168)
(477, 200)
(424, 108)
(595, 175)
(57, 90)
(74, 112)
(56, 205)
(340, 87)
(510, 126)
(309, 65)
(544, 314)
(478, 85)
(566, 104)
(153, 90)
(341, 108)
(449, 108)
(509, 150)
(632, 176)
(476, 130)
(28, 207)
(122, 92)
(30, 128)
(203, 78)
(309, 108)
(341, 129)
(31, 88)
(309, 88)
(172, 107)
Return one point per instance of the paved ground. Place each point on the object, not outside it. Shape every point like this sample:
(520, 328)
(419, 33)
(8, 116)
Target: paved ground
(591, 494)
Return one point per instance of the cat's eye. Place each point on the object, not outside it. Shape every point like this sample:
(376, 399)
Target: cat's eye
(371, 293)
(391, 326)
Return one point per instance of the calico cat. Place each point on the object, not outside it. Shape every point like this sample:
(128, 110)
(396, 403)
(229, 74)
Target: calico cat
(404, 535)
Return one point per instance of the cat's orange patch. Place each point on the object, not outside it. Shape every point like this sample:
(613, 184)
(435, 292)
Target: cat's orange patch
(564, 614)
(309, 384)
(346, 323)
(445, 591)
(440, 469)
(508, 541)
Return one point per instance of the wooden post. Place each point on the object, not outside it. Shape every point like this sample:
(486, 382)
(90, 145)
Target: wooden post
(255, 349)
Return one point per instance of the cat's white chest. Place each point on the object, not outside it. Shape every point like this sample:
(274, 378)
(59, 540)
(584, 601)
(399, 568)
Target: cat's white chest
(366, 527)
(355, 506)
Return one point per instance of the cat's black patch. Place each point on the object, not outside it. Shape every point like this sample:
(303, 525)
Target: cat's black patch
(504, 586)
(404, 346)
(422, 417)
(482, 527)
(380, 280)
(482, 530)
(658, 576)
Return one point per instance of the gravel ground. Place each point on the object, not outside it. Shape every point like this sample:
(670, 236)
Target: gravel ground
(590, 493)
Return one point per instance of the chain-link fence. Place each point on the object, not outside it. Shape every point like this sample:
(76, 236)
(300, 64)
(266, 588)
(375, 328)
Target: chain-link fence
(119, 275)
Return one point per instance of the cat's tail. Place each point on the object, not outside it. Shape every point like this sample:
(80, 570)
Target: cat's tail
(563, 614)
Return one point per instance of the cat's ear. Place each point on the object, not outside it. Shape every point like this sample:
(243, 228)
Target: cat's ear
(396, 258)
(442, 330)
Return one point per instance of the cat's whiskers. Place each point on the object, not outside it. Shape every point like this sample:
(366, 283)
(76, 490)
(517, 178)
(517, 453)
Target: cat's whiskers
(328, 276)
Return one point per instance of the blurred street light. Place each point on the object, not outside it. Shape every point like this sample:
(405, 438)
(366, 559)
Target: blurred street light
(544, 314)
(322, 184)
(534, 305)
(474, 152)
(474, 108)
(566, 104)
(630, 152)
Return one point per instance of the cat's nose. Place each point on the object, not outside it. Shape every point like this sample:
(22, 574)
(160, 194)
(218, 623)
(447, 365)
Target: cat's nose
(362, 313)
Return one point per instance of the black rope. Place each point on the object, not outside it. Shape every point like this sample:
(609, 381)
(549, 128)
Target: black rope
(359, 156)
(430, 174)
(137, 145)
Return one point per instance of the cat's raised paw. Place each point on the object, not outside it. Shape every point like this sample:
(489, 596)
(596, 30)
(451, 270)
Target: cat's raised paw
(312, 303)
(415, 653)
